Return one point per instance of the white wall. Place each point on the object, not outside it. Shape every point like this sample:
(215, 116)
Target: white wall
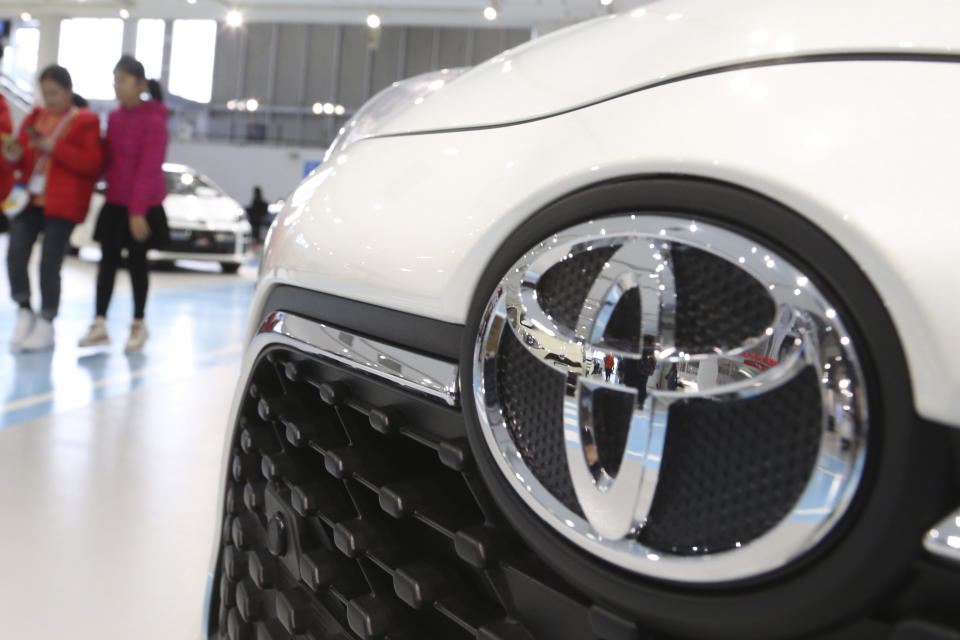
(238, 168)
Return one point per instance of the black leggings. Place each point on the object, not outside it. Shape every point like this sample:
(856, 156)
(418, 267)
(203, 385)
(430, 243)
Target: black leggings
(139, 275)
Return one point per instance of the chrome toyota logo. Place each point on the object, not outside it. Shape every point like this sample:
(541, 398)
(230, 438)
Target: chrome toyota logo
(648, 370)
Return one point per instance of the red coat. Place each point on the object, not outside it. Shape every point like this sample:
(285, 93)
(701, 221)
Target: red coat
(74, 166)
(6, 171)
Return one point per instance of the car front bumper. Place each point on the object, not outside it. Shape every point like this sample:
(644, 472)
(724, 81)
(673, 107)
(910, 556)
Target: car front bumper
(204, 244)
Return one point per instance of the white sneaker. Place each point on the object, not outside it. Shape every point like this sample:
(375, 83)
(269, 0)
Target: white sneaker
(25, 321)
(138, 336)
(96, 335)
(40, 338)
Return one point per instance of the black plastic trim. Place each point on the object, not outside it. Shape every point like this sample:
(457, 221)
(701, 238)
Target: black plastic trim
(433, 337)
(865, 56)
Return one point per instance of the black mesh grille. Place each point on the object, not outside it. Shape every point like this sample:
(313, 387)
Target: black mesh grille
(361, 515)
(718, 304)
(623, 329)
(612, 412)
(563, 288)
(731, 471)
(531, 395)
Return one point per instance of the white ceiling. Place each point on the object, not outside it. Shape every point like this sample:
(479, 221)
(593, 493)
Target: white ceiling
(513, 13)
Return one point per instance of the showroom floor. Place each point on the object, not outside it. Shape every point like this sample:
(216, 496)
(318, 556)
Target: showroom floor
(109, 463)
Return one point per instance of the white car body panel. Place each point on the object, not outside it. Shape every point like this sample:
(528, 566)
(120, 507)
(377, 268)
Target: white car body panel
(663, 40)
(866, 150)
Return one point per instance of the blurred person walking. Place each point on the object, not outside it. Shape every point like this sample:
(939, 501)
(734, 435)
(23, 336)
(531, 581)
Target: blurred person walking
(257, 214)
(6, 171)
(133, 218)
(57, 154)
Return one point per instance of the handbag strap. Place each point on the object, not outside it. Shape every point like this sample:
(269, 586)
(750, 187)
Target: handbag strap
(58, 130)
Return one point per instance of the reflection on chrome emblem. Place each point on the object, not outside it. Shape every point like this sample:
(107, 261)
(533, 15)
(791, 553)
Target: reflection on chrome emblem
(649, 368)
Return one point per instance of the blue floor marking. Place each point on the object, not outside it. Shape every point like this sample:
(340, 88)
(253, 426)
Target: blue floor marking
(191, 328)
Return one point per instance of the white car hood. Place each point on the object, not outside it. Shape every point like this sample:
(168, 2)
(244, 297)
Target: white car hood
(608, 56)
(192, 209)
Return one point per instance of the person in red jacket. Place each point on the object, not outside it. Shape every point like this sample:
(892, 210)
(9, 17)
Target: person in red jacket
(133, 216)
(6, 171)
(58, 156)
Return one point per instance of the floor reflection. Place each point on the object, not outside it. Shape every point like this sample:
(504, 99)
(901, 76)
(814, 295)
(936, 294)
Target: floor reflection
(196, 320)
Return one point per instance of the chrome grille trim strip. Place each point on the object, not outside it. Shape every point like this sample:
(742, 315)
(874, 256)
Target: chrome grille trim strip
(427, 375)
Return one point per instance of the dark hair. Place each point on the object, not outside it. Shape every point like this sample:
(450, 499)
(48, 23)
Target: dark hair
(131, 66)
(56, 73)
(80, 101)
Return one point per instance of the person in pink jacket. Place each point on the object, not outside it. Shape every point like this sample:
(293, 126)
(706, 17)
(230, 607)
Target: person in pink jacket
(133, 217)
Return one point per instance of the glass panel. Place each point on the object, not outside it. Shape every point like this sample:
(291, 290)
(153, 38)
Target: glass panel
(150, 35)
(187, 183)
(194, 45)
(89, 49)
(20, 58)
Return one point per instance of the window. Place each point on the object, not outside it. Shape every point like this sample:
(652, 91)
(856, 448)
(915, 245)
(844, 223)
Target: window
(20, 58)
(194, 45)
(150, 35)
(188, 183)
(89, 49)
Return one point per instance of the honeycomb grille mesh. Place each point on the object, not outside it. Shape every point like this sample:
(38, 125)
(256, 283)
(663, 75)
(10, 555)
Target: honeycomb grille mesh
(563, 288)
(731, 471)
(718, 304)
(531, 395)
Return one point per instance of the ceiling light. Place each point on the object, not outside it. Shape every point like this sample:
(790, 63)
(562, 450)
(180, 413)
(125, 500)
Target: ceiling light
(317, 108)
(232, 105)
(191, 1)
(328, 108)
(234, 18)
(340, 110)
(26, 17)
(124, 14)
(606, 3)
(253, 104)
(373, 21)
(490, 13)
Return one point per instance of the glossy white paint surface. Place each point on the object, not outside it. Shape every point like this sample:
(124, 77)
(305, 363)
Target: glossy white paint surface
(662, 40)
(868, 151)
